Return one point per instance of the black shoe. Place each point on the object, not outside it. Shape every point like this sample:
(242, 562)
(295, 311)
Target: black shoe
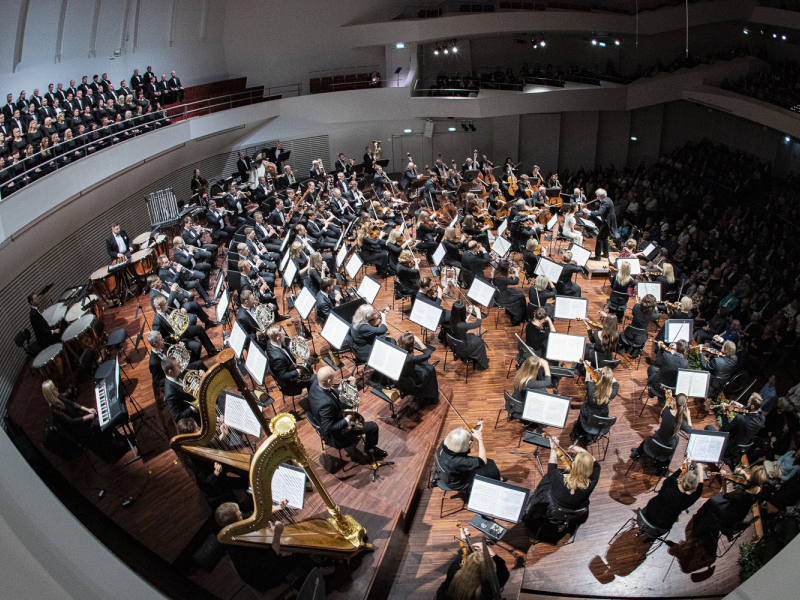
(210, 324)
(377, 452)
(211, 303)
(213, 353)
(634, 453)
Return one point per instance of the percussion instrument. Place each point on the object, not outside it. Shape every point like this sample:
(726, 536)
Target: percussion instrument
(84, 307)
(162, 207)
(159, 243)
(52, 363)
(143, 263)
(80, 335)
(104, 283)
(55, 313)
(139, 240)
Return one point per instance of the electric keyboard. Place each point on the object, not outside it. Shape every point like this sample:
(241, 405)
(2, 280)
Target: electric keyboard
(111, 409)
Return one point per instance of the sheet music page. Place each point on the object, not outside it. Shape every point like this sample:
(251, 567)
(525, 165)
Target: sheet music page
(545, 409)
(704, 447)
(567, 348)
(387, 358)
(368, 289)
(481, 292)
(580, 254)
(335, 330)
(285, 241)
(222, 306)
(571, 308)
(353, 265)
(426, 314)
(285, 260)
(289, 273)
(692, 383)
(502, 227)
(552, 223)
(497, 501)
(304, 303)
(649, 287)
(237, 339)
(549, 268)
(239, 416)
(501, 246)
(218, 287)
(256, 363)
(649, 250)
(438, 255)
(636, 268)
(587, 223)
(288, 483)
(340, 256)
(677, 329)
(453, 222)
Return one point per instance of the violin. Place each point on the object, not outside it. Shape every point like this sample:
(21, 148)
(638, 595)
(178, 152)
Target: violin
(562, 454)
(592, 373)
(731, 408)
(698, 348)
(594, 324)
(669, 397)
(466, 544)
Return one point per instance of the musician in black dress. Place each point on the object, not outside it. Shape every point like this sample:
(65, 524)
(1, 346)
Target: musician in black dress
(505, 275)
(635, 335)
(367, 325)
(408, 273)
(677, 494)
(452, 248)
(292, 377)
(474, 348)
(418, 377)
(727, 509)
(620, 284)
(674, 418)
(683, 311)
(565, 286)
(429, 291)
(427, 232)
(538, 330)
(533, 374)
(602, 344)
(598, 396)
(456, 467)
(372, 248)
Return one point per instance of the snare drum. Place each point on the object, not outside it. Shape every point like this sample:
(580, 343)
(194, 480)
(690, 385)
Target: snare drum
(80, 335)
(104, 283)
(84, 307)
(52, 363)
(139, 241)
(143, 263)
(55, 314)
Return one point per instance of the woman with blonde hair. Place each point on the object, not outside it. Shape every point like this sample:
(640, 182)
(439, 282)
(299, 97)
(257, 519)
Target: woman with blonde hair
(469, 579)
(669, 285)
(408, 273)
(456, 467)
(620, 285)
(677, 494)
(426, 233)
(598, 396)
(568, 488)
(725, 510)
(673, 420)
(541, 291)
(533, 374)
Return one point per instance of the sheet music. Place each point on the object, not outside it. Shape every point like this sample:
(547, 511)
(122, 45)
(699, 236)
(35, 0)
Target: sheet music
(502, 227)
(288, 483)
(237, 339)
(692, 383)
(490, 498)
(678, 329)
(387, 358)
(549, 268)
(649, 250)
(340, 256)
(567, 348)
(587, 223)
(285, 241)
(545, 409)
(239, 416)
(256, 363)
(706, 446)
(481, 292)
(335, 330)
(290, 273)
(649, 287)
(501, 246)
(353, 265)
(438, 255)
(426, 314)
(552, 223)
(368, 289)
(304, 303)
(453, 222)
(636, 268)
(571, 308)
(218, 286)
(285, 259)
(579, 254)
(222, 306)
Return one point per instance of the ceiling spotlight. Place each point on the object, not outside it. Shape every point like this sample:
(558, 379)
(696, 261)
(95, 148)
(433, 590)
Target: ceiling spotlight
(783, 37)
(601, 44)
(407, 131)
(616, 42)
(446, 51)
(436, 50)
(464, 126)
(633, 138)
(455, 48)
(594, 42)
(472, 126)
(787, 139)
(775, 35)
(534, 43)
(746, 31)
(451, 129)
(542, 43)
(399, 45)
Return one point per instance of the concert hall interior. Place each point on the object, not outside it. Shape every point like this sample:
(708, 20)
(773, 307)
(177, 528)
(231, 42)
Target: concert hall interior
(399, 299)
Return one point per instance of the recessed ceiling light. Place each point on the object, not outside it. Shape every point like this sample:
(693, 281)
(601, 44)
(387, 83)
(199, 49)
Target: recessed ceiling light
(451, 129)
(399, 45)
(407, 131)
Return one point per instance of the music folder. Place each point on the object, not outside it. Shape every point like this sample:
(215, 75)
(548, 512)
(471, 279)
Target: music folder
(369, 288)
(706, 446)
(567, 307)
(387, 358)
(497, 499)
(304, 303)
(501, 246)
(546, 409)
(438, 254)
(481, 292)
(256, 363)
(335, 330)
(353, 265)
(237, 339)
(549, 268)
(636, 268)
(678, 329)
(579, 254)
(692, 383)
(649, 287)
(222, 306)
(566, 348)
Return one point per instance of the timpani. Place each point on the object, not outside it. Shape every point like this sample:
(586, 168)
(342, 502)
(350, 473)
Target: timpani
(143, 264)
(80, 335)
(52, 363)
(139, 241)
(105, 283)
(83, 307)
(55, 314)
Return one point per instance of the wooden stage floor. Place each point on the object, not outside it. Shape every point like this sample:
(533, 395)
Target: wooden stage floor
(168, 512)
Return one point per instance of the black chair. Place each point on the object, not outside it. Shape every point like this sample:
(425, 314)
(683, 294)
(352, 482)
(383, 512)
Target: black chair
(733, 533)
(88, 361)
(652, 392)
(734, 453)
(113, 341)
(399, 294)
(458, 347)
(436, 480)
(598, 428)
(564, 518)
(618, 303)
(629, 348)
(23, 342)
(645, 529)
(282, 388)
(736, 384)
(611, 364)
(655, 453)
(326, 441)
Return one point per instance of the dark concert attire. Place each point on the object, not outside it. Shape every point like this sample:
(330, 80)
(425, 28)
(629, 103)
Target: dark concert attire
(486, 592)
(284, 369)
(665, 508)
(458, 469)
(178, 402)
(328, 409)
(608, 225)
(418, 377)
(41, 329)
(591, 408)
(474, 346)
(553, 492)
(512, 300)
(362, 338)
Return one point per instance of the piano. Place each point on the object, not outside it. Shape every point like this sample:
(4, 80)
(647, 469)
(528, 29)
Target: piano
(111, 410)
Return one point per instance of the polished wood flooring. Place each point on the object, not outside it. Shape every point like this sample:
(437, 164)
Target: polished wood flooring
(169, 515)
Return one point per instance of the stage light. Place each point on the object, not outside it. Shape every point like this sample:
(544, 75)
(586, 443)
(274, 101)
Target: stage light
(542, 43)
(616, 42)
(455, 48)
(472, 126)
(601, 44)
(594, 42)
(436, 50)
(746, 31)
(534, 43)
(446, 51)
(399, 45)
(787, 139)
(633, 138)
(464, 126)
(451, 129)
(783, 37)
(775, 35)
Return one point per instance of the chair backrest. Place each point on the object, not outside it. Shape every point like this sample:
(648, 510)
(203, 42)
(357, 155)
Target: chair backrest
(22, 338)
(313, 420)
(611, 364)
(567, 515)
(513, 406)
(88, 361)
(618, 298)
(456, 345)
(658, 450)
(649, 530)
(99, 328)
(602, 424)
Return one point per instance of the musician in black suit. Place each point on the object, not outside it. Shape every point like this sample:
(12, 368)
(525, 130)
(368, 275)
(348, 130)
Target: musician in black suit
(316, 170)
(608, 222)
(277, 218)
(742, 429)
(274, 155)
(256, 248)
(243, 166)
(136, 80)
(409, 174)
(176, 87)
(328, 297)
(178, 298)
(118, 244)
(192, 236)
(190, 259)
(166, 92)
(473, 262)
(248, 280)
(721, 368)
(247, 320)
(170, 272)
(287, 179)
(194, 337)
(45, 335)
(342, 165)
(668, 362)
(158, 352)
(265, 234)
(328, 410)
(369, 168)
(235, 202)
(264, 195)
(215, 218)
(282, 364)
(380, 181)
(367, 325)
(178, 402)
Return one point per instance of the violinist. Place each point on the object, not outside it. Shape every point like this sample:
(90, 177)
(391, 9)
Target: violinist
(540, 292)
(565, 286)
(452, 248)
(371, 248)
(728, 509)
(682, 311)
(473, 262)
(635, 334)
(477, 231)
(665, 371)
(678, 493)
(602, 344)
(430, 291)
(530, 256)
(474, 348)
(408, 273)
(742, 429)
(674, 417)
(456, 467)
(598, 396)
(568, 229)
(568, 488)
(418, 377)
(669, 285)
(537, 331)
(328, 297)
(467, 578)
(426, 233)
(496, 199)
(504, 276)
(367, 325)
(395, 244)
(393, 214)
(533, 374)
(721, 368)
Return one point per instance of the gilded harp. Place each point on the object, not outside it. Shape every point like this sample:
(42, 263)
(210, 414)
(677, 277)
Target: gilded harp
(339, 536)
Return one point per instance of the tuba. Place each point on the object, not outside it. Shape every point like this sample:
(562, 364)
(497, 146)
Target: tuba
(299, 349)
(180, 354)
(348, 395)
(179, 321)
(376, 151)
(263, 315)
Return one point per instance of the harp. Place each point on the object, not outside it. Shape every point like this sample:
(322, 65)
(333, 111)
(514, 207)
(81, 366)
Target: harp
(339, 536)
(205, 444)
